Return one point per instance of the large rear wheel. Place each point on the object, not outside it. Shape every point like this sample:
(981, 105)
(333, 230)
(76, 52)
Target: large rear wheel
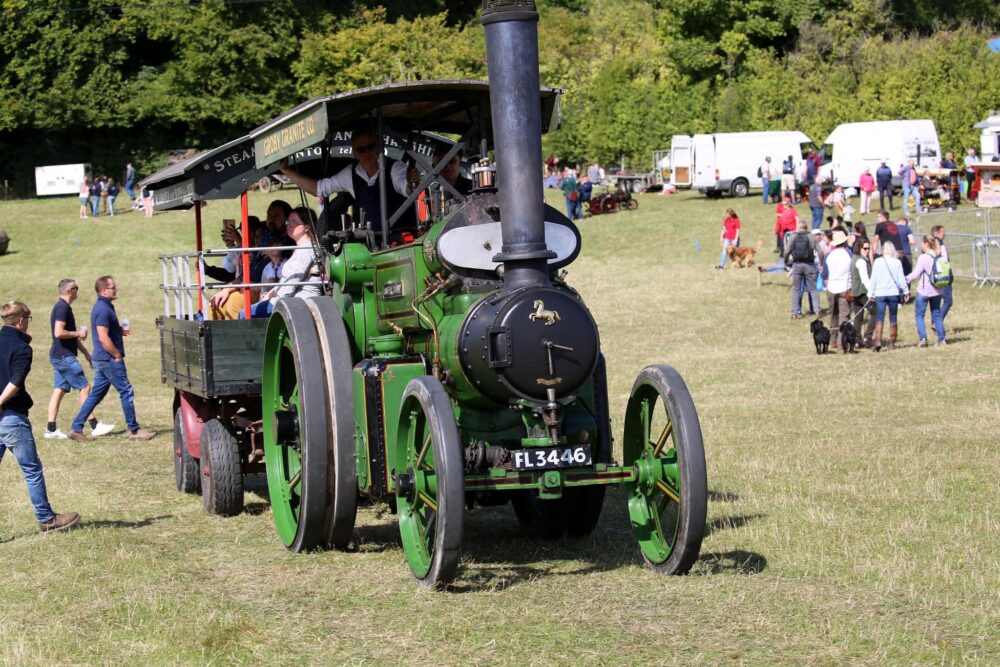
(669, 499)
(430, 490)
(342, 481)
(293, 395)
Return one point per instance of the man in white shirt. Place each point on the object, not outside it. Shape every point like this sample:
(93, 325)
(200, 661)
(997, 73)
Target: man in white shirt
(361, 181)
(838, 285)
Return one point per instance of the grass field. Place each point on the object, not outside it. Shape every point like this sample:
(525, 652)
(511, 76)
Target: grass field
(853, 514)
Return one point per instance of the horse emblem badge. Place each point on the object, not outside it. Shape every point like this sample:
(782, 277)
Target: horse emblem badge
(550, 316)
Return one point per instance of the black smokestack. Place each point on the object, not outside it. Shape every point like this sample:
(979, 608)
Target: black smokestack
(512, 60)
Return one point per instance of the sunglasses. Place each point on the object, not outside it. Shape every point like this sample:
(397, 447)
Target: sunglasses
(366, 148)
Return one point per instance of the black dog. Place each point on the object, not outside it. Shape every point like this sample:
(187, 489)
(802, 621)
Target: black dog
(848, 337)
(821, 336)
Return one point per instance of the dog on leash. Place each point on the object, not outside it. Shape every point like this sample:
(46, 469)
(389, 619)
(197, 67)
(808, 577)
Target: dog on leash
(742, 257)
(848, 337)
(821, 336)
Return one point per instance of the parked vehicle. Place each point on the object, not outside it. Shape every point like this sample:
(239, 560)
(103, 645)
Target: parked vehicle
(60, 179)
(727, 162)
(853, 146)
(612, 201)
(989, 139)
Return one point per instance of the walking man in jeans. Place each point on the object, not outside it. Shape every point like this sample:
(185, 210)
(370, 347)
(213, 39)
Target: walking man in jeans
(15, 429)
(801, 254)
(109, 363)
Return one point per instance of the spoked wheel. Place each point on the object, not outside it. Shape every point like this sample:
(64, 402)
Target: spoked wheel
(633, 204)
(342, 481)
(222, 472)
(186, 474)
(669, 499)
(293, 396)
(609, 206)
(430, 489)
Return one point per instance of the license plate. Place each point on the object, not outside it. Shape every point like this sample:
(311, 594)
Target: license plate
(545, 458)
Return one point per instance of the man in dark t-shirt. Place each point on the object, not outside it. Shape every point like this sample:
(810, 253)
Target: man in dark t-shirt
(886, 232)
(67, 373)
(109, 363)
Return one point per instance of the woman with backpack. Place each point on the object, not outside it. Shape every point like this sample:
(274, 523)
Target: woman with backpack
(927, 293)
(889, 288)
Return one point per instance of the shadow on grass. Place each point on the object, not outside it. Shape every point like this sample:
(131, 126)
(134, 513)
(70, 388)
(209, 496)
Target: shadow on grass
(142, 523)
(730, 522)
(731, 562)
(722, 496)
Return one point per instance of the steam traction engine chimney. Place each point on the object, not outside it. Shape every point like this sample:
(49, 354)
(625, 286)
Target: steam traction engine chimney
(512, 60)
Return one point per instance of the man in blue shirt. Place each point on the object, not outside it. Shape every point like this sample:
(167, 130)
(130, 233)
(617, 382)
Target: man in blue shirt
(109, 363)
(67, 372)
(15, 402)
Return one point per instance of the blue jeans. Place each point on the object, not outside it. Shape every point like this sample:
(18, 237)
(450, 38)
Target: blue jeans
(817, 217)
(767, 187)
(259, 310)
(907, 191)
(130, 188)
(884, 302)
(945, 300)
(15, 434)
(95, 203)
(936, 317)
(804, 280)
(111, 204)
(725, 246)
(106, 375)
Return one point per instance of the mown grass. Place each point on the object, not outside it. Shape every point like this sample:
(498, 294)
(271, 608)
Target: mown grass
(853, 516)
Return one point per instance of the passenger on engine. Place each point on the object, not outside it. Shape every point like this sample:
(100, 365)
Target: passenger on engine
(361, 181)
(451, 172)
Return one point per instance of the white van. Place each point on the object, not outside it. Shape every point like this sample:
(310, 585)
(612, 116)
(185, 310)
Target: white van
(60, 179)
(853, 146)
(989, 139)
(727, 162)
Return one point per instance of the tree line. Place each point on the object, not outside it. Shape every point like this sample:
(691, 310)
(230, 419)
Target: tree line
(105, 81)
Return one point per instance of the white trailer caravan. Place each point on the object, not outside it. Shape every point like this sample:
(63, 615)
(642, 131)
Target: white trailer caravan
(853, 146)
(989, 140)
(60, 179)
(728, 161)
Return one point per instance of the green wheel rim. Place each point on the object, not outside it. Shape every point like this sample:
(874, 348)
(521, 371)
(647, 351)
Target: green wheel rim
(654, 502)
(668, 501)
(284, 461)
(417, 515)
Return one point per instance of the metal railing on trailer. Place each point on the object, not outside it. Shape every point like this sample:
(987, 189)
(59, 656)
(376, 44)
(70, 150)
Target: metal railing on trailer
(179, 289)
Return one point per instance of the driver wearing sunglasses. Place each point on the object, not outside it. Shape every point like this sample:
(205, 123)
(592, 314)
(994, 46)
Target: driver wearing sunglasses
(361, 181)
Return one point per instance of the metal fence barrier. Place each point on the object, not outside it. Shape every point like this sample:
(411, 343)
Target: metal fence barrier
(973, 247)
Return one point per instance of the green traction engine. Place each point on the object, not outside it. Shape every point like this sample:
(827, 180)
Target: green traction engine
(459, 370)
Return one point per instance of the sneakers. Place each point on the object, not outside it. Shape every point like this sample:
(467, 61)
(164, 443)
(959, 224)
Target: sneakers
(78, 437)
(101, 429)
(922, 343)
(55, 435)
(141, 434)
(59, 522)
(942, 343)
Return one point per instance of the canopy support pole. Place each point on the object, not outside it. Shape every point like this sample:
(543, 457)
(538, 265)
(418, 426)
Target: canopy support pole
(245, 256)
(201, 265)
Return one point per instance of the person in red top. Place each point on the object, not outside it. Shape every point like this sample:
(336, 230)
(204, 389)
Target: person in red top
(866, 184)
(730, 235)
(787, 223)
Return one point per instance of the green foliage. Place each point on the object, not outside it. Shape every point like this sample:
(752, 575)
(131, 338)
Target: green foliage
(371, 51)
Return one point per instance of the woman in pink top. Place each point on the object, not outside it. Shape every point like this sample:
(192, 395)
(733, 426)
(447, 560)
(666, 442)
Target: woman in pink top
(730, 235)
(926, 292)
(866, 184)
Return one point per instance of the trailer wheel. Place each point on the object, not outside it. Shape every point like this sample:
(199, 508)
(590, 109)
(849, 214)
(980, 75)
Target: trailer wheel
(293, 402)
(739, 188)
(430, 487)
(638, 186)
(669, 500)
(222, 470)
(341, 472)
(186, 475)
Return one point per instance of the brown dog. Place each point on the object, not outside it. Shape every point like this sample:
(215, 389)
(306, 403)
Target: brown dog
(743, 257)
